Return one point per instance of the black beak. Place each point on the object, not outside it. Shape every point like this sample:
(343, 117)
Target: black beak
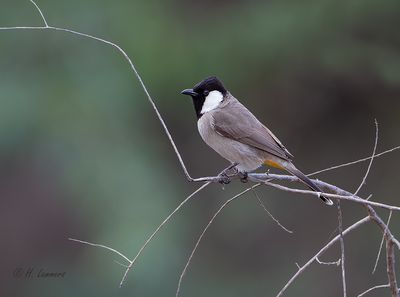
(189, 92)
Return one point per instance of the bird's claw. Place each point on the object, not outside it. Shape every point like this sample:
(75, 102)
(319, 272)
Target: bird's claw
(243, 176)
(224, 179)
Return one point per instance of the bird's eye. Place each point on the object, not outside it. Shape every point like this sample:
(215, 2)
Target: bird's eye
(206, 92)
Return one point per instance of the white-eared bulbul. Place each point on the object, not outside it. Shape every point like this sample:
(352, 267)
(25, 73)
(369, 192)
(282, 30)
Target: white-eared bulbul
(236, 134)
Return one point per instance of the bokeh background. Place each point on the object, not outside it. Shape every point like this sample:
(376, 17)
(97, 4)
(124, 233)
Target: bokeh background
(83, 155)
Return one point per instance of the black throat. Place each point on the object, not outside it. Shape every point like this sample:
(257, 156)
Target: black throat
(198, 105)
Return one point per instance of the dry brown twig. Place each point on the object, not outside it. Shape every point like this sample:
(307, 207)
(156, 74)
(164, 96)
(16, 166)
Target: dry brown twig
(391, 241)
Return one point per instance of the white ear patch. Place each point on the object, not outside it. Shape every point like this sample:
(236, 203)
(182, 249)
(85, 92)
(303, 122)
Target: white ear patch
(212, 101)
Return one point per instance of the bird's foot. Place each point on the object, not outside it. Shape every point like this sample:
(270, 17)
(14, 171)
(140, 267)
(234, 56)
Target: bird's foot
(243, 176)
(224, 179)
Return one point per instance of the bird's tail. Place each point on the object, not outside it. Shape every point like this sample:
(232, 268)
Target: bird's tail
(308, 182)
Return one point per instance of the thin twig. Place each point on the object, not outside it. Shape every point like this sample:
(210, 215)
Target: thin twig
(373, 288)
(337, 263)
(340, 216)
(148, 240)
(203, 233)
(102, 246)
(270, 214)
(355, 162)
(390, 268)
(381, 224)
(381, 245)
(121, 264)
(40, 11)
(371, 160)
(125, 55)
(342, 257)
(323, 250)
(391, 241)
(348, 197)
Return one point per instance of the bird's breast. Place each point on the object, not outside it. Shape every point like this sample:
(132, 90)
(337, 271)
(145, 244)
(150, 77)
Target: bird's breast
(234, 151)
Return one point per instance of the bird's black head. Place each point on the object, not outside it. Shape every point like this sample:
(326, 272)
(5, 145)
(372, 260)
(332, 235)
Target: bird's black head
(206, 95)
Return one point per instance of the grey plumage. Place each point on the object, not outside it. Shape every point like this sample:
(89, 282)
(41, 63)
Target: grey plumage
(229, 128)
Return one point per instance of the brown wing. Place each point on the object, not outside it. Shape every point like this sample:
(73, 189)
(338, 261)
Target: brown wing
(236, 122)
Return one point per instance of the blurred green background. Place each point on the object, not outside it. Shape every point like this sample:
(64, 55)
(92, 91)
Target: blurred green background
(83, 155)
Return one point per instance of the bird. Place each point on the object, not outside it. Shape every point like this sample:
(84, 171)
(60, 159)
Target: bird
(229, 128)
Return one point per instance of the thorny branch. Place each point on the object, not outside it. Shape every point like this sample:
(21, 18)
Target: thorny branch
(338, 193)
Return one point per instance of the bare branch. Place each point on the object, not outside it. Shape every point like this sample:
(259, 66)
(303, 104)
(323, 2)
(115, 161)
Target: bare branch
(391, 268)
(158, 229)
(390, 259)
(384, 228)
(381, 245)
(204, 232)
(121, 264)
(373, 288)
(340, 217)
(164, 222)
(270, 215)
(355, 162)
(371, 160)
(125, 55)
(271, 177)
(323, 250)
(342, 258)
(41, 14)
(345, 196)
(102, 246)
(337, 263)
